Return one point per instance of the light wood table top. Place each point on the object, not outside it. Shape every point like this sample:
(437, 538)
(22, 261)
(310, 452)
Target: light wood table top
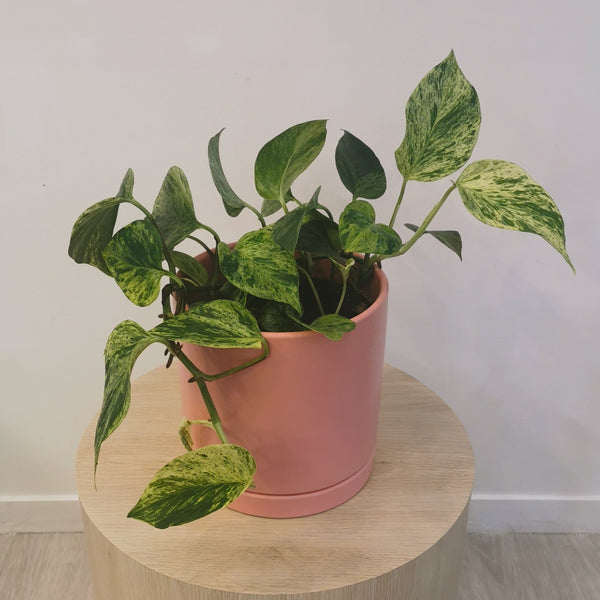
(419, 489)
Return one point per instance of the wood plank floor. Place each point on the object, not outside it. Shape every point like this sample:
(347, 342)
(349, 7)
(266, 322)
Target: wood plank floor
(53, 566)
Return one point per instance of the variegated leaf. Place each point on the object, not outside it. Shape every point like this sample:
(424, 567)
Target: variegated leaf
(94, 228)
(191, 267)
(125, 343)
(232, 202)
(450, 239)
(126, 187)
(281, 160)
(194, 485)
(359, 168)
(332, 326)
(134, 257)
(260, 266)
(502, 194)
(442, 124)
(360, 233)
(217, 324)
(173, 208)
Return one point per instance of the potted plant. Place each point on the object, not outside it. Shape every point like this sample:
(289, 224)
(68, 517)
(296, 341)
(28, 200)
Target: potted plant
(303, 280)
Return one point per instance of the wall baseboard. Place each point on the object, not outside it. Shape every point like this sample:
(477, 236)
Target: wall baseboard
(534, 513)
(28, 514)
(488, 512)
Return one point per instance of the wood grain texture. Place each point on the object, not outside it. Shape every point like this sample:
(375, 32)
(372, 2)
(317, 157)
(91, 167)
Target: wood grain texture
(497, 566)
(402, 536)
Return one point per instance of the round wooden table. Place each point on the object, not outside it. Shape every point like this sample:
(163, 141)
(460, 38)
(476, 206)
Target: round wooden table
(401, 537)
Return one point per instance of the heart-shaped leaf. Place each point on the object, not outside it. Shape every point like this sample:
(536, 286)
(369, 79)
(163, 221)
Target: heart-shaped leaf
(94, 228)
(319, 235)
(260, 266)
(134, 257)
(287, 229)
(442, 124)
(194, 485)
(216, 324)
(281, 160)
(332, 326)
(125, 343)
(359, 168)
(503, 195)
(173, 208)
(191, 267)
(360, 233)
(233, 203)
(450, 239)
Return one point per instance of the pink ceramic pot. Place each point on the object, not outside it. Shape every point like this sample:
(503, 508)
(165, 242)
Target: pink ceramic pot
(308, 413)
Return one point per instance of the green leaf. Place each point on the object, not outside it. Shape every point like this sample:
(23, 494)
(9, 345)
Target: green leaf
(125, 343)
(233, 203)
(502, 194)
(319, 235)
(126, 187)
(134, 257)
(450, 239)
(216, 324)
(270, 207)
(287, 229)
(332, 326)
(359, 168)
(191, 267)
(273, 317)
(194, 485)
(173, 208)
(281, 160)
(260, 266)
(360, 233)
(94, 228)
(442, 124)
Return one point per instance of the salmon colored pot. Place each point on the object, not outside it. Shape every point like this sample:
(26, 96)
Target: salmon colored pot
(308, 413)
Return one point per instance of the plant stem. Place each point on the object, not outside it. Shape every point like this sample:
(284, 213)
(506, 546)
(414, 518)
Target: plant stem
(263, 223)
(208, 401)
(283, 203)
(343, 294)
(398, 202)
(426, 222)
(207, 377)
(205, 246)
(210, 230)
(313, 288)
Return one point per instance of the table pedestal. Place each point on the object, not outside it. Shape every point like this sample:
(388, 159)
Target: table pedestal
(401, 537)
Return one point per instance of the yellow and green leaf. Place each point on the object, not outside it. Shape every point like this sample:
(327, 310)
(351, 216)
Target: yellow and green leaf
(260, 266)
(442, 124)
(125, 343)
(282, 159)
(194, 485)
(216, 324)
(502, 194)
(173, 209)
(359, 232)
(134, 257)
(94, 227)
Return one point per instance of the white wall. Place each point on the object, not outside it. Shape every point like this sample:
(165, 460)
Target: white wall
(509, 338)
